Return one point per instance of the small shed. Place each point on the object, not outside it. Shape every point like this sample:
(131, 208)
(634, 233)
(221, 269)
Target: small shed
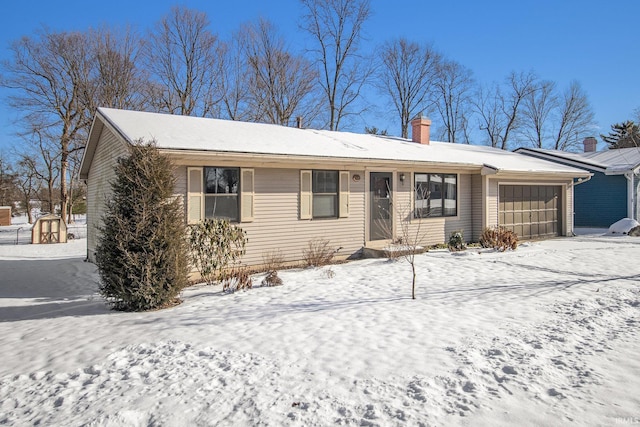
(49, 229)
(5, 215)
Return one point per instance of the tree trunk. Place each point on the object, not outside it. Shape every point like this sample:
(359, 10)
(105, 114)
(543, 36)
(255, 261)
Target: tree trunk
(64, 194)
(27, 203)
(70, 215)
(50, 201)
(413, 283)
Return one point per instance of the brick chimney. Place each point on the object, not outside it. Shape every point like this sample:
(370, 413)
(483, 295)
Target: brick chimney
(420, 129)
(590, 144)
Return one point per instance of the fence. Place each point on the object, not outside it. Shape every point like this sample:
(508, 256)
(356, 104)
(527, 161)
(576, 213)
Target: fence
(21, 234)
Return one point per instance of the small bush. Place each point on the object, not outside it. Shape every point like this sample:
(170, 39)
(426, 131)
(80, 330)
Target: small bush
(499, 238)
(329, 273)
(272, 262)
(456, 242)
(236, 279)
(272, 279)
(439, 246)
(215, 244)
(318, 253)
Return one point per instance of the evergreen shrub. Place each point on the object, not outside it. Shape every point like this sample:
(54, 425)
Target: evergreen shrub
(456, 242)
(141, 251)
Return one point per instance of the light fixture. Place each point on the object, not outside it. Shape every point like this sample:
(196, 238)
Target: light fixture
(402, 177)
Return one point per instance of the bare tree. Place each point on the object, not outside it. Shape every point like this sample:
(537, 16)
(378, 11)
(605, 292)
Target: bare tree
(183, 59)
(234, 81)
(574, 119)
(537, 108)
(410, 237)
(43, 159)
(337, 26)
(281, 83)
(117, 80)
(406, 75)
(8, 181)
(487, 106)
(556, 121)
(48, 75)
(29, 182)
(453, 100)
(500, 108)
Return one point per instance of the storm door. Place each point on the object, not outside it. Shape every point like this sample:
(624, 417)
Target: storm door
(380, 206)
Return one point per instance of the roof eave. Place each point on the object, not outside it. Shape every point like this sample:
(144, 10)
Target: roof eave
(90, 146)
(554, 157)
(287, 158)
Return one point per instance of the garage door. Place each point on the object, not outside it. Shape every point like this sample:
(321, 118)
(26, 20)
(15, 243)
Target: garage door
(531, 211)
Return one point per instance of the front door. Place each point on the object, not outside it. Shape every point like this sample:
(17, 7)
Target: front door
(380, 206)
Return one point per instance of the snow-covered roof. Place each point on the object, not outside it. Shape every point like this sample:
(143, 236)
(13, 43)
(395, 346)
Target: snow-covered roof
(205, 134)
(611, 162)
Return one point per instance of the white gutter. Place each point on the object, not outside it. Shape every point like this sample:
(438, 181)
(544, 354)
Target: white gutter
(581, 180)
(573, 200)
(632, 192)
(489, 169)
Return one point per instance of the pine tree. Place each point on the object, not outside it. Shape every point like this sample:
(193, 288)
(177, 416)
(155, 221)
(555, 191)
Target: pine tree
(623, 135)
(142, 254)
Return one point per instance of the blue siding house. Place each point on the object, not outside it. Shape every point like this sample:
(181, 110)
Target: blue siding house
(611, 193)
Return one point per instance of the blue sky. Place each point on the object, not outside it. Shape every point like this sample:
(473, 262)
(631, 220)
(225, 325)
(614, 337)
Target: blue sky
(593, 42)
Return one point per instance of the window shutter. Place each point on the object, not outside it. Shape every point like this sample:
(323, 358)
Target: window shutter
(247, 195)
(343, 209)
(306, 195)
(195, 204)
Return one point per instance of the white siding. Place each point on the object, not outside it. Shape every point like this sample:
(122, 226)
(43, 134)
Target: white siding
(569, 209)
(276, 225)
(476, 208)
(101, 175)
(492, 203)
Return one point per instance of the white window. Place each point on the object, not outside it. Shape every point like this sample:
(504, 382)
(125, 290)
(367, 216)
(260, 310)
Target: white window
(221, 187)
(324, 194)
(435, 195)
(219, 192)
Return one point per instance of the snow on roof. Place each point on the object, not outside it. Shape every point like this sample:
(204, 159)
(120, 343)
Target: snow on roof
(194, 133)
(612, 162)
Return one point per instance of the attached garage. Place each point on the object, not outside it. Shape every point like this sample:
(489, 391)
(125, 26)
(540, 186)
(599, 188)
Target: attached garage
(531, 211)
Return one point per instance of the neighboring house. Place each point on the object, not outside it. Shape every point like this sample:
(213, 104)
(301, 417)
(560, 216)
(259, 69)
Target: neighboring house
(612, 193)
(287, 186)
(5, 215)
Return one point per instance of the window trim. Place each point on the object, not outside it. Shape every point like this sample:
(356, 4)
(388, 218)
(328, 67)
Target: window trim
(444, 175)
(306, 194)
(335, 195)
(209, 196)
(196, 194)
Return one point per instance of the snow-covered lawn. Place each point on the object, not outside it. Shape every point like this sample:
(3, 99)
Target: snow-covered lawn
(545, 335)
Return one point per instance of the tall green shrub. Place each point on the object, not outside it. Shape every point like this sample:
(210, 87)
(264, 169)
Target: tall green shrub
(215, 244)
(142, 253)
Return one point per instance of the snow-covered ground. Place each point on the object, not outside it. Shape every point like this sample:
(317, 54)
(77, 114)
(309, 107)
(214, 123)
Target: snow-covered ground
(544, 335)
